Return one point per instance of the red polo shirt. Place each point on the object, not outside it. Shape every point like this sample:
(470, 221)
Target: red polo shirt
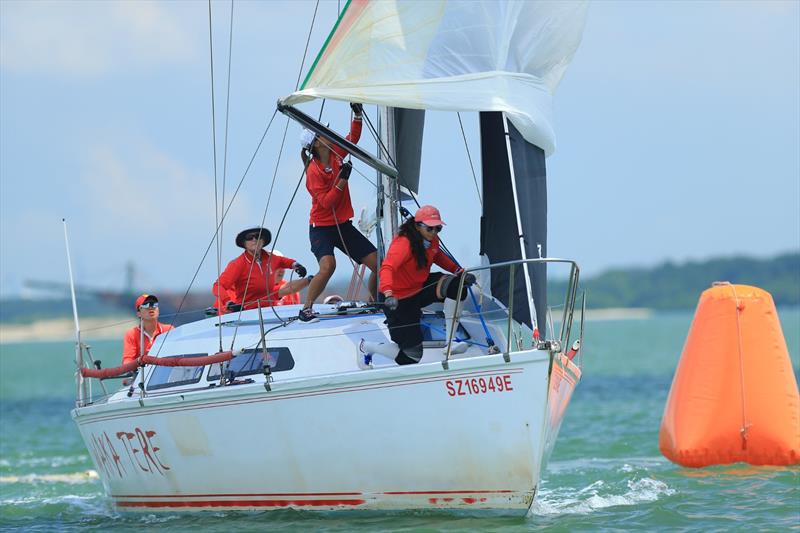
(131, 344)
(261, 273)
(329, 205)
(400, 273)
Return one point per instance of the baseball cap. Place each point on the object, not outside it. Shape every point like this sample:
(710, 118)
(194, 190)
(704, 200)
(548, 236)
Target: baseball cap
(429, 215)
(142, 299)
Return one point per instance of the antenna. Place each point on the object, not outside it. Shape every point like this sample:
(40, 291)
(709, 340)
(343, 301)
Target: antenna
(78, 345)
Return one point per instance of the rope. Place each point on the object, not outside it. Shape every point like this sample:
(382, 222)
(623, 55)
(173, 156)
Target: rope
(745, 425)
(469, 156)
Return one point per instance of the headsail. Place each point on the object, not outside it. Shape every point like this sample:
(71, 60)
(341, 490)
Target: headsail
(451, 55)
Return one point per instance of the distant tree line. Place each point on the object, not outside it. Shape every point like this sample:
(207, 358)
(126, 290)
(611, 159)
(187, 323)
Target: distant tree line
(678, 286)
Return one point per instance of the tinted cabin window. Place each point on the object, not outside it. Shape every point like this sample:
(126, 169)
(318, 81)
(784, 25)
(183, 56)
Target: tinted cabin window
(172, 376)
(252, 362)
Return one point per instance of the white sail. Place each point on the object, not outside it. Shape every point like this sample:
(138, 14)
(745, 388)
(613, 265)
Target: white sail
(488, 55)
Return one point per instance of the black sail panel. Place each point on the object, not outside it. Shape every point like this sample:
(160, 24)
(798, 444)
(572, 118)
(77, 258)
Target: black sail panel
(408, 129)
(524, 163)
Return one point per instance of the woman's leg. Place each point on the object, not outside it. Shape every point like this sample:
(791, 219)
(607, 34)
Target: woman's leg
(371, 261)
(327, 264)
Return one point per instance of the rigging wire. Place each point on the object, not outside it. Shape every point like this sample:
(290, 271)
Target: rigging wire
(225, 152)
(275, 174)
(214, 144)
(216, 232)
(469, 156)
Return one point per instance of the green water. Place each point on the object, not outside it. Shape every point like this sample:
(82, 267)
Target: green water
(606, 472)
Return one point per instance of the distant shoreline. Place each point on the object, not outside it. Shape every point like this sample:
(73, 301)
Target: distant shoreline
(63, 329)
(114, 327)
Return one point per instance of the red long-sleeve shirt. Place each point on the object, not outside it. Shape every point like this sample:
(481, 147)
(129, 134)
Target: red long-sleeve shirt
(326, 199)
(131, 343)
(233, 281)
(400, 273)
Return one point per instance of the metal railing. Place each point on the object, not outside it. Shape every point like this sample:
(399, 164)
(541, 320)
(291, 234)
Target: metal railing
(554, 344)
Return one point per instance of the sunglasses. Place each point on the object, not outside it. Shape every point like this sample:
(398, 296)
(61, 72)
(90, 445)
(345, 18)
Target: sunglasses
(149, 305)
(435, 229)
(253, 237)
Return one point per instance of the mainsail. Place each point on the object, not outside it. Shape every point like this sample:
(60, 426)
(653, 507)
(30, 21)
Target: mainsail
(501, 58)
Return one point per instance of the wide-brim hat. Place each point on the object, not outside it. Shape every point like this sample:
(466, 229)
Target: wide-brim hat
(266, 236)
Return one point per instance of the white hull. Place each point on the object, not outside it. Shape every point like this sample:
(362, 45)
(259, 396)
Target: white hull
(474, 436)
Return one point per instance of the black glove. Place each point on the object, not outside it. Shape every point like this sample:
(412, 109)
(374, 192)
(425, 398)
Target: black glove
(233, 307)
(358, 109)
(347, 168)
(391, 303)
(469, 279)
(300, 270)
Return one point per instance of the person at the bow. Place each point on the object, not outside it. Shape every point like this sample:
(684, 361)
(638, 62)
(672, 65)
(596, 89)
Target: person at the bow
(139, 339)
(331, 227)
(408, 285)
(249, 280)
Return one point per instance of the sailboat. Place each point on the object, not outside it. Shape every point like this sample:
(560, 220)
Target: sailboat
(254, 410)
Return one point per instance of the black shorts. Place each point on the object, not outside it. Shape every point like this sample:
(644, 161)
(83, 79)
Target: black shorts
(404, 322)
(325, 238)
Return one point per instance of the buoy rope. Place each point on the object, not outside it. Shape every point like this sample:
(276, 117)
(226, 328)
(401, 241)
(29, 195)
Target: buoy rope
(745, 425)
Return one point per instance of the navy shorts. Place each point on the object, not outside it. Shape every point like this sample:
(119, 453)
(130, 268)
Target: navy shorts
(325, 238)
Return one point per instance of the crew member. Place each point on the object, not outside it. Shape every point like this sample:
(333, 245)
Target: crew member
(138, 340)
(293, 298)
(408, 285)
(248, 281)
(331, 210)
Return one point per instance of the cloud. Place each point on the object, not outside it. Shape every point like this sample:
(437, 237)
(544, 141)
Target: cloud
(80, 39)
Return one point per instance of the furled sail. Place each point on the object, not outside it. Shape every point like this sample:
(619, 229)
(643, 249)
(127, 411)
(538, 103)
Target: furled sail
(452, 55)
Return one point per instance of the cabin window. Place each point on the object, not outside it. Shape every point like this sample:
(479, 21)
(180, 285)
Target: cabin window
(251, 361)
(172, 376)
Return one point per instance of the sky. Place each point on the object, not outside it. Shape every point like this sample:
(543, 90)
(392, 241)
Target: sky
(677, 124)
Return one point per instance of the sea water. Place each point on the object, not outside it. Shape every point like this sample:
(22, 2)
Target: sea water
(606, 473)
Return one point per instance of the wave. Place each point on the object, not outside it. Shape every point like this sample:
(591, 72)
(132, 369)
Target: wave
(599, 495)
(87, 476)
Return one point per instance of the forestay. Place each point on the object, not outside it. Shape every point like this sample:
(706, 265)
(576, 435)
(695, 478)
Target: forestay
(451, 55)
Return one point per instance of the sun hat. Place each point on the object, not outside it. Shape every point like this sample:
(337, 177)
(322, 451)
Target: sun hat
(266, 236)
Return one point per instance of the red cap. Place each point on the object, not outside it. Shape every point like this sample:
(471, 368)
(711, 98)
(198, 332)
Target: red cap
(429, 215)
(142, 299)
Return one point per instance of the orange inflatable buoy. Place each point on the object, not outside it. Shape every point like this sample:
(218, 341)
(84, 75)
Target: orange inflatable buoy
(734, 396)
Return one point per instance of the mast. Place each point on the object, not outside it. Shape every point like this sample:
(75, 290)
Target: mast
(391, 192)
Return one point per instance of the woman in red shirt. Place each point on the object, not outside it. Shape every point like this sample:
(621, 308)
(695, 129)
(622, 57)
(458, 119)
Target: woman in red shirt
(331, 210)
(408, 285)
(249, 280)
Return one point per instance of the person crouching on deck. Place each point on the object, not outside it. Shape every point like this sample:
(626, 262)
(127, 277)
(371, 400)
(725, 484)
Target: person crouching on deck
(138, 340)
(249, 280)
(331, 210)
(408, 285)
(293, 298)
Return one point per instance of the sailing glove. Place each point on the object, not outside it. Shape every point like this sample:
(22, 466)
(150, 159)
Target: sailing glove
(347, 168)
(391, 303)
(469, 280)
(300, 270)
(233, 307)
(358, 109)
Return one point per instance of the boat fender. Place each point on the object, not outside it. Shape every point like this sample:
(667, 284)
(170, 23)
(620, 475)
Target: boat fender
(573, 351)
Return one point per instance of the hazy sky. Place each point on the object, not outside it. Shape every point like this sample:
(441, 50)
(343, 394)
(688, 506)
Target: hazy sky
(678, 131)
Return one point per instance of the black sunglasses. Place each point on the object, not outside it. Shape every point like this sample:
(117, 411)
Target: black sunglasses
(149, 305)
(253, 236)
(436, 229)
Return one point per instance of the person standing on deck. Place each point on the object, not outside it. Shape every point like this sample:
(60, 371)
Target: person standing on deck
(249, 280)
(331, 211)
(408, 285)
(138, 340)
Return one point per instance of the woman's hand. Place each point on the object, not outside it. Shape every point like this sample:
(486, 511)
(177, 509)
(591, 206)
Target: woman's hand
(391, 303)
(299, 269)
